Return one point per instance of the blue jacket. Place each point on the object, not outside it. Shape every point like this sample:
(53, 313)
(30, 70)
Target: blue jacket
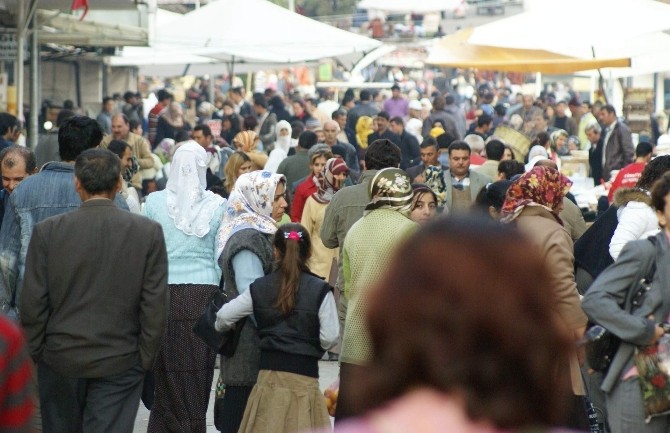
(48, 193)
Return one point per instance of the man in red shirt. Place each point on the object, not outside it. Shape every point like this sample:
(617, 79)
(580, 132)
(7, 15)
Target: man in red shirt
(164, 99)
(628, 176)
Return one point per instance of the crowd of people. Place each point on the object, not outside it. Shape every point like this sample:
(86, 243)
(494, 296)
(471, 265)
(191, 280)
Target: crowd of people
(441, 264)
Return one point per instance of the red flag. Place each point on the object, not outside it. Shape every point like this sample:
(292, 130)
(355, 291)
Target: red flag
(79, 4)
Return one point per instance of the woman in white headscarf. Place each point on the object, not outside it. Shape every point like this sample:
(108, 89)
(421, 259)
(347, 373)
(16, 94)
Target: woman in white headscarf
(281, 147)
(190, 217)
(255, 205)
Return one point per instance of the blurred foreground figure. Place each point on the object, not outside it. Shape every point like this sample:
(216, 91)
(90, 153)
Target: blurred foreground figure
(471, 343)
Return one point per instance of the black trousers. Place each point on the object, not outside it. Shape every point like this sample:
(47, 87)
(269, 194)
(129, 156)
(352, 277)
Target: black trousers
(82, 405)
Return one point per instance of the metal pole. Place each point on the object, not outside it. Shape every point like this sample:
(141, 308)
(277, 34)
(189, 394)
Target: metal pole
(291, 5)
(35, 91)
(20, 43)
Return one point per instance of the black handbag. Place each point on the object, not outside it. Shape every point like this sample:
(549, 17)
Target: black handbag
(603, 345)
(225, 342)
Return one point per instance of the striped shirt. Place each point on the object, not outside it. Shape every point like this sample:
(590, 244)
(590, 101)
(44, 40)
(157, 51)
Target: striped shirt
(16, 392)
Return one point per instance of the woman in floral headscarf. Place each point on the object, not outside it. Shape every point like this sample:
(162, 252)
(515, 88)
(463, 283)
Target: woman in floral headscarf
(367, 249)
(533, 203)
(190, 217)
(247, 142)
(328, 182)
(171, 122)
(255, 205)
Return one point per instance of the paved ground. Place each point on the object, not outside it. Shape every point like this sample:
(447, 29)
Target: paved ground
(328, 372)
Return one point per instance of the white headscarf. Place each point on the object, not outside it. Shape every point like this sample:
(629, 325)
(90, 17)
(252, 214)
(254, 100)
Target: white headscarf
(249, 206)
(189, 205)
(282, 146)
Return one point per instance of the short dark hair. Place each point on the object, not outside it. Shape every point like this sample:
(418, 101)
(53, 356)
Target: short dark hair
(347, 99)
(307, 139)
(133, 124)
(98, 170)
(484, 119)
(76, 135)
(429, 142)
(236, 90)
(7, 121)
(395, 87)
(106, 99)
(259, 99)
(495, 150)
(337, 113)
(297, 127)
(459, 145)
(510, 168)
(493, 194)
(384, 115)
(22, 152)
(129, 95)
(445, 139)
(206, 130)
(68, 104)
(609, 108)
(382, 154)
(118, 147)
(397, 120)
(449, 99)
(163, 94)
(365, 95)
(249, 123)
(64, 115)
(643, 148)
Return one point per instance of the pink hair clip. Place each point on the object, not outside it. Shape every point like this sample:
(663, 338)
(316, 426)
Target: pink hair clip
(293, 236)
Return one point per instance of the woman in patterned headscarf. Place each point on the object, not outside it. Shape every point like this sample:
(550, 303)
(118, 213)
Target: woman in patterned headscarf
(247, 142)
(368, 247)
(190, 217)
(255, 205)
(171, 123)
(533, 203)
(328, 182)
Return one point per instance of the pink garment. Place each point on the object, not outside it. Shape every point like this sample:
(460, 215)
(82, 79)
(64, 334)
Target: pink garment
(420, 411)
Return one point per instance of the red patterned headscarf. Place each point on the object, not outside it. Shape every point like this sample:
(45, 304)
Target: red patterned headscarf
(541, 186)
(325, 181)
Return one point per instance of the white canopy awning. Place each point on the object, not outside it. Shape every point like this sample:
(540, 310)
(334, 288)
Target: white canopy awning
(409, 6)
(57, 27)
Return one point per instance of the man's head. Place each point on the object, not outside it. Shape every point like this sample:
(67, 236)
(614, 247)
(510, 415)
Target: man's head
(202, 134)
(607, 115)
(495, 150)
(307, 139)
(560, 108)
(107, 104)
(130, 97)
(97, 172)
(164, 97)
(330, 130)
(382, 122)
(593, 131)
(429, 152)
(484, 123)
(311, 105)
(260, 104)
(459, 158)
(236, 94)
(365, 96)
(475, 142)
(123, 150)
(541, 121)
(527, 101)
(643, 151)
(16, 163)
(120, 126)
(77, 134)
(7, 125)
(298, 107)
(395, 91)
(340, 116)
(439, 103)
(397, 125)
(382, 154)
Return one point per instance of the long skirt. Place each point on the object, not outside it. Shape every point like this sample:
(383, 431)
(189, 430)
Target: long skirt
(283, 402)
(184, 368)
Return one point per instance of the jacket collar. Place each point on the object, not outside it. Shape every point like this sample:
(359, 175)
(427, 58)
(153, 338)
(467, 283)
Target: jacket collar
(97, 202)
(58, 166)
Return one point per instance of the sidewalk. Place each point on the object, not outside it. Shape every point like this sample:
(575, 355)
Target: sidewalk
(328, 372)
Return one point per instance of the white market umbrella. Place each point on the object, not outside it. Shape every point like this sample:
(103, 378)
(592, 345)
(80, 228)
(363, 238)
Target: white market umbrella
(409, 6)
(259, 31)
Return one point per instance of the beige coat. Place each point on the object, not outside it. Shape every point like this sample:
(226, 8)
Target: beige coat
(322, 257)
(141, 151)
(555, 244)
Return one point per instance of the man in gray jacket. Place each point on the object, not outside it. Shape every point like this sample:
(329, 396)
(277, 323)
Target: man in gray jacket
(94, 304)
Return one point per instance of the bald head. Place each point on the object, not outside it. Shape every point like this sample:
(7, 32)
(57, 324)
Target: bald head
(330, 130)
(546, 163)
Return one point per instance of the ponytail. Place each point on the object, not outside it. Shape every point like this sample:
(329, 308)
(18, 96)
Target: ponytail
(293, 244)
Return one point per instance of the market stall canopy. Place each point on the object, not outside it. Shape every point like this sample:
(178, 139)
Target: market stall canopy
(416, 6)
(577, 28)
(58, 27)
(258, 31)
(456, 50)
